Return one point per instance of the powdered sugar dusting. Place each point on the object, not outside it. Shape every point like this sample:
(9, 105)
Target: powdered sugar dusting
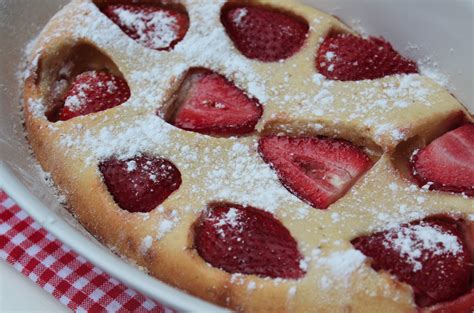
(382, 129)
(413, 240)
(341, 265)
(232, 219)
(146, 244)
(167, 224)
(292, 291)
(329, 55)
(379, 104)
(240, 14)
(435, 75)
(82, 91)
(409, 85)
(37, 108)
(135, 138)
(251, 286)
(154, 29)
(246, 180)
(131, 166)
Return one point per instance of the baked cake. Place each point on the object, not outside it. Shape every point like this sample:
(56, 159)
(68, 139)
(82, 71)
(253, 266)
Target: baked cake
(259, 155)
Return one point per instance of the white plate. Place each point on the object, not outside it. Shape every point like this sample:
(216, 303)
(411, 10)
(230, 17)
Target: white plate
(436, 28)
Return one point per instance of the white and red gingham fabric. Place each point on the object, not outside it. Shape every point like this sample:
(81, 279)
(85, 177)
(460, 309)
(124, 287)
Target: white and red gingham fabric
(67, 276)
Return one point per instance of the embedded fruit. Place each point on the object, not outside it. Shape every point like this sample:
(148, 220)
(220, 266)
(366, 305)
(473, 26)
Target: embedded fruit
(463, 304)
(447, 163)
(140, 184)
(430, 255)
(263, 33)
(152, 26)
(208, 103)
(247, 240)
(347, 57)
(317, 170)
(93, 91)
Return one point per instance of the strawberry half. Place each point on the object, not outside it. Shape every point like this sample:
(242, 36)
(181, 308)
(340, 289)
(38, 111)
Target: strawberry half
(140, 184)
(348, 57)
(247, 240)
(93, 91)
(317, 170)
(447, 163)
(430, 255)
(152, 26)
(208, 103)
(263, 33)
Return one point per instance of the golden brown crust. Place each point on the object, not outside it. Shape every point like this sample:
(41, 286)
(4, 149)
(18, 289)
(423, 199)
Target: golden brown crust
(71, 150)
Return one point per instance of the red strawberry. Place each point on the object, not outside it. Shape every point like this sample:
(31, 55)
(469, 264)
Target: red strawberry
(140, 184)
(263, 33)
(463, 304)
(93, 91)
(150, 25)
(430, 255)
(210, 104)
(247, 240)
(317, 170)
(447, 163)
(348, 57)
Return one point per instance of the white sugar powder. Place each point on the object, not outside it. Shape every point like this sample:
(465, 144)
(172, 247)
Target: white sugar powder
(232, 219)
(131, 166)
(146, 244)
(167, 224)
(413, 240)
(153, 29)
(318, 79)
(251, 286)
(241, 13)
(292, 292)
(435, 75)
(135, 138)
(36, 108)
(73, 102)
(341, 265)
(329, 55)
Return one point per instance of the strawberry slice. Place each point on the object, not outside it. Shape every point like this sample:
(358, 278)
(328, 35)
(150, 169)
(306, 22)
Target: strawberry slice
(431, 255)
(150, 25)
(348, 57)
(140, 184)
(463, 304)
(317, 170)
(91, 92)
(263, 33)
(247, 240)
(208, 103)
(447, 163)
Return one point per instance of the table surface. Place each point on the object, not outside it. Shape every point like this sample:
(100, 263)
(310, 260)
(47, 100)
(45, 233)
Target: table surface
(19, 294)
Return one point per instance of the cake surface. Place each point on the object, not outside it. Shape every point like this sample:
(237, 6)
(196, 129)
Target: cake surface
(389, 119)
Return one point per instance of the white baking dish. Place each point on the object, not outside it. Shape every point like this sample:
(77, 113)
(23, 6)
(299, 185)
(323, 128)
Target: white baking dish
(441, 30)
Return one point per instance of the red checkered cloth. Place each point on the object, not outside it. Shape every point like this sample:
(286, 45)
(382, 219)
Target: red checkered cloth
(67, 276)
